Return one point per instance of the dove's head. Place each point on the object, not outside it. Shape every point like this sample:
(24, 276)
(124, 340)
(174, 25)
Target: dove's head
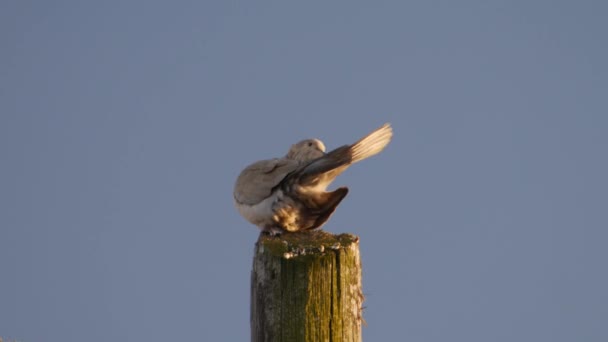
(308, 149)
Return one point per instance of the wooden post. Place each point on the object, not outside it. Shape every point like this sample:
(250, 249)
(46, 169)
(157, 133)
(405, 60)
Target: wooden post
(306, 287)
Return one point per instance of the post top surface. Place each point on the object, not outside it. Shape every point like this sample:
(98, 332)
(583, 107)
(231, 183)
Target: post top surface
(305, 243)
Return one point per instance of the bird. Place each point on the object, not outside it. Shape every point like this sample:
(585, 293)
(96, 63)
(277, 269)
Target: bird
(289, 194)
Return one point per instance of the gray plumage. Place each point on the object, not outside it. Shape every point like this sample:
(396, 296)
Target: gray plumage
(289, 193)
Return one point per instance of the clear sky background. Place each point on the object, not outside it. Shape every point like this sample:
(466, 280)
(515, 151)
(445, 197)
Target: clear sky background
(124, 124)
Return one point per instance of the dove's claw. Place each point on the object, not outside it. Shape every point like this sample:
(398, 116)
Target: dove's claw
(273, 231)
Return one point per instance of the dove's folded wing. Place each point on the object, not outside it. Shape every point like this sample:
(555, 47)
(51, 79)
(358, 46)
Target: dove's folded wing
(255, 183)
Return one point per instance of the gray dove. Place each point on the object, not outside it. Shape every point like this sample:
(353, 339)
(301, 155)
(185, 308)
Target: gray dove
(289, 194)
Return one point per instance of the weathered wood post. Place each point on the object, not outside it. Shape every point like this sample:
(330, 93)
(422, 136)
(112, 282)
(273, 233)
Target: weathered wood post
(306, 287)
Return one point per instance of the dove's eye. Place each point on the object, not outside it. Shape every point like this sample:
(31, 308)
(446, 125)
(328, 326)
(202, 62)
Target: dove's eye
(309, 144)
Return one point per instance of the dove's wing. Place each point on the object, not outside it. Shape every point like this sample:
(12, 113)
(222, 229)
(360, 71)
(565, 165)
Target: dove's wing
(255, 183)
(336, 161)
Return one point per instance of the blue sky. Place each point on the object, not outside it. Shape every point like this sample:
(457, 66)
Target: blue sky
(123, 126)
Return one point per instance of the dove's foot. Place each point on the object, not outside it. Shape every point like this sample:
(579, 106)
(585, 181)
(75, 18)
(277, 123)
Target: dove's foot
(272, 231)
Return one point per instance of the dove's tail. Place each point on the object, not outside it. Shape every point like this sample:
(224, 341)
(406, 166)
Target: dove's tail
(326, 204)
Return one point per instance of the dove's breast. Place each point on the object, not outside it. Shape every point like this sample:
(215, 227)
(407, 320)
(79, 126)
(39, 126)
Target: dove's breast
(260, 214)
